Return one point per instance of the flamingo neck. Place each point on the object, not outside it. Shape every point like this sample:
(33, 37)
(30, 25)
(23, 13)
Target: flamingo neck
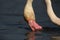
(29, 2)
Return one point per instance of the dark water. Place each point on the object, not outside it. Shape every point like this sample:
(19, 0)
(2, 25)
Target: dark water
(27, 34)
(22, 34)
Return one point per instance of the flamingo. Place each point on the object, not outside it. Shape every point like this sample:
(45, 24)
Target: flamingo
(30, 16)
(51, 13)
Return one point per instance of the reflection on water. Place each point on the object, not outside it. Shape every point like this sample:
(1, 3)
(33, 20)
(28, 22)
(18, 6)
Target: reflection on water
(46, 34)
(37, 36)
(55, 37)
(30, 36)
